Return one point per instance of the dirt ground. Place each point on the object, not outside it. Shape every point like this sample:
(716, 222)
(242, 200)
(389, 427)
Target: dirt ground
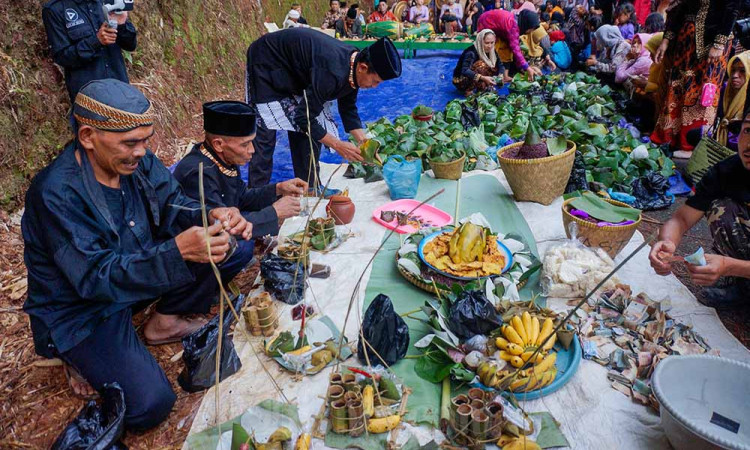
(37, 402)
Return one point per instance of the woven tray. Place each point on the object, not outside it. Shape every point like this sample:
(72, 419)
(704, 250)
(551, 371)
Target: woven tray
(429, 287)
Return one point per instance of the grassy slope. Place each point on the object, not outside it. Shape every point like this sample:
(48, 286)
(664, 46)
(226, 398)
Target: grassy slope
(189, 52)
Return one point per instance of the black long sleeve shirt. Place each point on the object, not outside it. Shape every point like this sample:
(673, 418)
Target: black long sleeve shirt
(71, 32)
(296, 61)
(223, 190)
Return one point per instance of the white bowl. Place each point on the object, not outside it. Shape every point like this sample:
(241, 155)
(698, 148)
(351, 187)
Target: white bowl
(705, 401)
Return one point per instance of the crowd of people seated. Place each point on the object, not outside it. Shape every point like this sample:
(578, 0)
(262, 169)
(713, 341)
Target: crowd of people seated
(663, 53)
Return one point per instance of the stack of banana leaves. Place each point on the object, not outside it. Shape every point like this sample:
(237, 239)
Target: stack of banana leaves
(575, 106)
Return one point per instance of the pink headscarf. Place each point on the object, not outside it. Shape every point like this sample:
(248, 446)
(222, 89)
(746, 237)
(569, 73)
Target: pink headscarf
(526, 6)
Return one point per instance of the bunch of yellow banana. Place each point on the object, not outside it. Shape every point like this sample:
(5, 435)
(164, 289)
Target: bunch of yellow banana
(490, 374)
(522, 338)
(536, 377)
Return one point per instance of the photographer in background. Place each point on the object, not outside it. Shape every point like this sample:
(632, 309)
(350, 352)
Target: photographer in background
(83, 42)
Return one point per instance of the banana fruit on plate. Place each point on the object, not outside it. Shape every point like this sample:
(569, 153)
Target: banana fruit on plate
(521, 339)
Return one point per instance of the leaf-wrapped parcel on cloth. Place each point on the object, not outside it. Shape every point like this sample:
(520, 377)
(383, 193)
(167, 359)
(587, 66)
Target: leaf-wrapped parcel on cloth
(199, 353)
(385, 332)
(472, 314)
(284, 279)
(572, 270)
(97, 427)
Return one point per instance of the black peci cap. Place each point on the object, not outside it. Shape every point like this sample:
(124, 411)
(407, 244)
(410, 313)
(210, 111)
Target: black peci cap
(385, 59)
(229, 118)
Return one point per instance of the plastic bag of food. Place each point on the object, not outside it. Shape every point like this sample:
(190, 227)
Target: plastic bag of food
(97, 427)
(472, 314)
(385, 332)
(199, 352)
(578, 181)
(650, 192)
(402, 176)
(572, 270)
(284, 279)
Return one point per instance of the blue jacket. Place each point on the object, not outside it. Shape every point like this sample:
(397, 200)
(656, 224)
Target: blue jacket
(71, 32)
(80, 268)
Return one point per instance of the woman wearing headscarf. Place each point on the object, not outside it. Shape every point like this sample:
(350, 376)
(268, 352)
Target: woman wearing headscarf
(649, 91)
(697, 47)
(534, 37)
(519, 6)
(472, 17)
(503, 24)
(733, 98)
(637, 62)
(478, 65)
(613, 51)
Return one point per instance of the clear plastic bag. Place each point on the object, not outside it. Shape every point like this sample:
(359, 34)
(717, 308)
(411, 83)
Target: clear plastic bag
(571, 269)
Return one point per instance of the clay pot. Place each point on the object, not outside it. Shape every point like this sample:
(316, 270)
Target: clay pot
(341, 209)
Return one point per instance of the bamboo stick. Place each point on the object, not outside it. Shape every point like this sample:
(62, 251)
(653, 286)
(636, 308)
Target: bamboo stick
(458, 202)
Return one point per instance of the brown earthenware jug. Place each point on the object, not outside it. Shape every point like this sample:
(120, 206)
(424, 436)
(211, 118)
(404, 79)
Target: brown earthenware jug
(341, 208)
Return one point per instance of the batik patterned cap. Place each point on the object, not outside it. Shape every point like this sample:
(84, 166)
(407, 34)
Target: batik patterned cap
(112, 105)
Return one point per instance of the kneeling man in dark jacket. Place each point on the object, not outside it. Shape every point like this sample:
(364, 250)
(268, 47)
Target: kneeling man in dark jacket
(108, 230)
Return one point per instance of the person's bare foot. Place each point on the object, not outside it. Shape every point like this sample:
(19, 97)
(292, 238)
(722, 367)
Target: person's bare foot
(164, 328)
(78, 384)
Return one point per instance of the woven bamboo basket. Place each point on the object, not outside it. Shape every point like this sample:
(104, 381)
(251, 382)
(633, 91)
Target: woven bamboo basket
(609, 239)
(539, 180)
(450, 170)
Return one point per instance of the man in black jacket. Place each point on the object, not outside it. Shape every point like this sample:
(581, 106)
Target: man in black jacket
(295, 74)
(83, 43)
(230, 128)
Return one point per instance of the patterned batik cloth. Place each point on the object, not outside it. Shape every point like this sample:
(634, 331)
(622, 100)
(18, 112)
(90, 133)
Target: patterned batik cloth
(468, 86)
(729, 222)
(681, 109)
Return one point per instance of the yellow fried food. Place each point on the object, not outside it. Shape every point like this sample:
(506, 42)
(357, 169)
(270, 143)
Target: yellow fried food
(436, 253)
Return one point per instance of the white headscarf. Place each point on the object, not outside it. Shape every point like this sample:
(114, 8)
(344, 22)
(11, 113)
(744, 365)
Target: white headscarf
(491, 59)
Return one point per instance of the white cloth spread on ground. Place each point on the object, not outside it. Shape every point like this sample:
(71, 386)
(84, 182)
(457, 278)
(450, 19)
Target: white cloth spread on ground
(591, 413)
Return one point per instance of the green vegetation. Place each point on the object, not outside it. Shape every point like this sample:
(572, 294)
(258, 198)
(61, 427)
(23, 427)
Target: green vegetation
(188, 52)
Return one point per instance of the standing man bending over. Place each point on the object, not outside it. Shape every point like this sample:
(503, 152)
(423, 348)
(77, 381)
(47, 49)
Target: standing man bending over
(230, 130)
(295, 74)
(107, 230)
(723, 196)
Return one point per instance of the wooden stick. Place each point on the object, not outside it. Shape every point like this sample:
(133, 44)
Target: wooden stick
(204, 217)
(458, 202)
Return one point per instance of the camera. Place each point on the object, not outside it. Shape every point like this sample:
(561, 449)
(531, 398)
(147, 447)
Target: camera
(742, 32)
(118, 5)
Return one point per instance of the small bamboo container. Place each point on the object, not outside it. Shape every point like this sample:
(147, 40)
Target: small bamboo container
(356, 418)
(479, 423)
(339, 417)
(335, 393)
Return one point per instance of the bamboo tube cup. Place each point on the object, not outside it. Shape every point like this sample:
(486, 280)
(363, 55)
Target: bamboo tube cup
(251, 320)
(458, 401)
(477, 405)
(334, 379)
(267, 317)
(356, 418)
(463, 417)
(335, 393)
(479, 422)
(476, 394)
(351, 396)
(339, 417)
(495, 411)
